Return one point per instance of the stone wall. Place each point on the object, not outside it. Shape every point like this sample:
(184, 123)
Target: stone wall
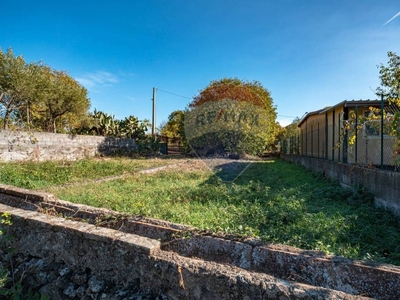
(385, 185)
(73, 251)
(40, 146)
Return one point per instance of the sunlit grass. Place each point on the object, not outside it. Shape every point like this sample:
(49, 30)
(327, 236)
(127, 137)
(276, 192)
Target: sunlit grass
(34, 175)
(272, 200)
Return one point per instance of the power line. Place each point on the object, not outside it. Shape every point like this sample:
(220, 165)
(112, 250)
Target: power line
(286, 116)
(192, 98)
(173, 94)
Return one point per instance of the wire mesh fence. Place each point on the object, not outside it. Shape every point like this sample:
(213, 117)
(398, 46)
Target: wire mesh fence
(366, 143)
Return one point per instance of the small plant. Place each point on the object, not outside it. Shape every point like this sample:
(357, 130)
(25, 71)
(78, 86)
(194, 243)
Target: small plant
(10, 288)
(149, 146)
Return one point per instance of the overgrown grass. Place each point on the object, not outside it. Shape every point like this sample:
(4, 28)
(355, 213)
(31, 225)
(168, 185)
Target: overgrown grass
(34, 175)
(275, 201)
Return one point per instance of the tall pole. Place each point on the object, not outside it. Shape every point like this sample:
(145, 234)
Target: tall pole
(153, 121)
(382, 105)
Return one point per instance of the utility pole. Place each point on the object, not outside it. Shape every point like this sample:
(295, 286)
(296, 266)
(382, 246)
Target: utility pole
(382, 106)
(153, 121)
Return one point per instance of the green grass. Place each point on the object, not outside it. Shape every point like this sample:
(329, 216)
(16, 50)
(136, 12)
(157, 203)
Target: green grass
(34, 175)
(274, 200)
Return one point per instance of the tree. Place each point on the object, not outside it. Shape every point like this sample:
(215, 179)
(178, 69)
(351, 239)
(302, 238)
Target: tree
(289, 137)
(15, 84)
(390, 78)
(59, 95)
(34, 94)
(390, 87)
(231, 115)
(174, 128)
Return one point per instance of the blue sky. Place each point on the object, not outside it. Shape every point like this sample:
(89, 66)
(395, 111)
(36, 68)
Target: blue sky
(309, 54)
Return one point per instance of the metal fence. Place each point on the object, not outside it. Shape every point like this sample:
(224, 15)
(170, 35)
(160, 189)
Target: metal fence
(366, 143)
(291, 144)
(171, 145)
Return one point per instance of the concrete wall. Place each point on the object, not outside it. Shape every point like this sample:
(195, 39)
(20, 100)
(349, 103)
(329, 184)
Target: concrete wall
(40, 146)
(145, 253)
(369, 150)
(385, 185)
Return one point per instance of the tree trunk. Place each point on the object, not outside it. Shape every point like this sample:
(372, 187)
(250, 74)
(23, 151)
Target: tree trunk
(6, 119)
(27, 118)
(7, 113)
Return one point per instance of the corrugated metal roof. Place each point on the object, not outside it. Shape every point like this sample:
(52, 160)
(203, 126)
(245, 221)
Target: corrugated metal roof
(353, 103)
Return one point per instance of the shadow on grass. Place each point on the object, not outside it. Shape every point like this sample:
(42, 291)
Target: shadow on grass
(285, 203)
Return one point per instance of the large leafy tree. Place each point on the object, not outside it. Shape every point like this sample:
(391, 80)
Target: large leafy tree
(16, 84)
(35, 94)
(390, 88)
(390, 85)
(231, 115)
(174, 128)
(390, 78)
(59, 95)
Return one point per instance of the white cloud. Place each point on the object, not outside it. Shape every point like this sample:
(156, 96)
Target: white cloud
(394, 17)
(98, 78)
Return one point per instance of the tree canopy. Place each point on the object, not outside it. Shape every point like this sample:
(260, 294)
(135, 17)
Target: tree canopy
(231, 115)
(174, 127)
(15, 84)
(390, 78)
(390, 88)
(37, 96)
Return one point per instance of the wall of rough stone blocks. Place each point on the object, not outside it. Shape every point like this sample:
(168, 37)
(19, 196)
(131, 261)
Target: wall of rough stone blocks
(41, 146)
(67, 258)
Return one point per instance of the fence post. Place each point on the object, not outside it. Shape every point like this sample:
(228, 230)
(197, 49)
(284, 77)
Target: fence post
(345, 142)
(312, 141)
(306, 139)
(326, 135)
(292, 145)
(298, 144)
(356, 140)
(333, 135)
(318, 141)
(339, 141)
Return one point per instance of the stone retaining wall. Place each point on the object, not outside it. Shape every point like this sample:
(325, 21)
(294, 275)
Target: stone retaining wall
(128, 255)
(40, 146)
